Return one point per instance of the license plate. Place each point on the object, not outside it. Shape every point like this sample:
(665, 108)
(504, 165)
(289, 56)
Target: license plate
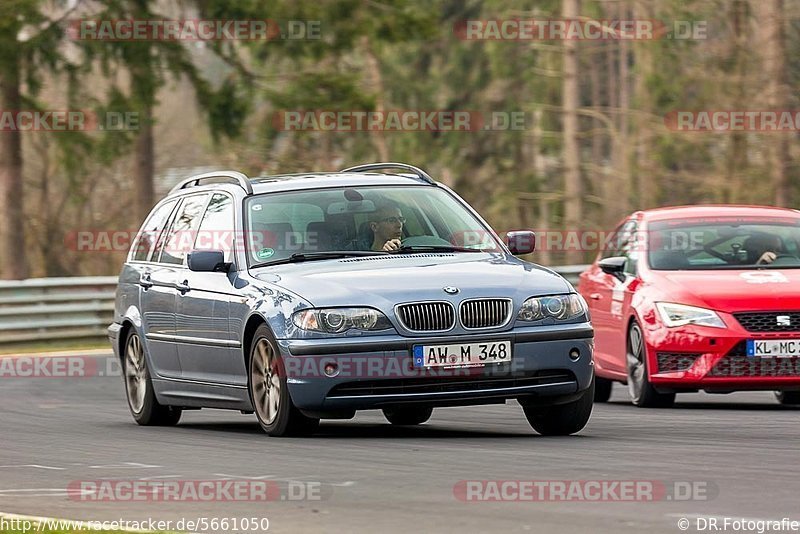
(462, 354)
(773, 348)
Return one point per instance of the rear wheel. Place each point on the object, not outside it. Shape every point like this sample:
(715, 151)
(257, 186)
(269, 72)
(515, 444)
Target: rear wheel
(602, 389)
(407, 415)
(642, 392)
(788, 398)
(561, 419)
(139, 388)
(269, 393)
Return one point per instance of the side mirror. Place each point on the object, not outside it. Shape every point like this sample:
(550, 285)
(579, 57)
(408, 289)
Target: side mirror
(207, 261)
(615, 266)
(521, 242)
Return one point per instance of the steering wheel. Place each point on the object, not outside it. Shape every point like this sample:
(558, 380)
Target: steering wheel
(424, 241)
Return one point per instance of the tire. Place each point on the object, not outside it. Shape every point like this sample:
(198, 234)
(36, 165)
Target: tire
(139, 391)
(407, 416)
(562, 419)
(602, 389)
(642, 392)
(788, 398)
(269, 392)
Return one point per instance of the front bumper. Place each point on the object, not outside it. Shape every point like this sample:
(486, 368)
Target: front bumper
(377, 371)
(698, 357)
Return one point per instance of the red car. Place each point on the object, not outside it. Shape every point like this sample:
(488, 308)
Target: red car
(698, 298)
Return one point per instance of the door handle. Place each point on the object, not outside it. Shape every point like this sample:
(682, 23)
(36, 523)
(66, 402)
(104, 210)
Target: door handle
(145, 281)
(595, 296)
(183, 287)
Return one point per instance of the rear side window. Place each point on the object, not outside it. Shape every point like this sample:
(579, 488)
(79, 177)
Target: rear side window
(180, 239)
(150, 231)
(216, 228)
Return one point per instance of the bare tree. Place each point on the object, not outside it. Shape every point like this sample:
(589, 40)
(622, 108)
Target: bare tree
(774, 46)
(573, 190)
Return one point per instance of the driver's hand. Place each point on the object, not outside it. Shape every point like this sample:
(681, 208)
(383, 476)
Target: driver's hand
(392, 244)
(767, 257)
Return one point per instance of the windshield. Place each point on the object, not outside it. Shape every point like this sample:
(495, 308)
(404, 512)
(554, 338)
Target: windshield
(724, 243)
(280, 225)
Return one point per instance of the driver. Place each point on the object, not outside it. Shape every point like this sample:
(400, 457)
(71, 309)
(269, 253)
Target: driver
(386, 224)
(763, 249)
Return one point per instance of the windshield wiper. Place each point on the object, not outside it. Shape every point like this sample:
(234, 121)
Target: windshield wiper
(314, 256)
(436, 248)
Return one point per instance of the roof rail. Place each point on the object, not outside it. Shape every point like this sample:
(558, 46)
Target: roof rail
(233, 177)
(424, 176)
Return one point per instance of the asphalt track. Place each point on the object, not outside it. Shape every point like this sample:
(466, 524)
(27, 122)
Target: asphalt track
(741, 450)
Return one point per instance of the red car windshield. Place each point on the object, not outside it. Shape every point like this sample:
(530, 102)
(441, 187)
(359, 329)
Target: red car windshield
(724, 243)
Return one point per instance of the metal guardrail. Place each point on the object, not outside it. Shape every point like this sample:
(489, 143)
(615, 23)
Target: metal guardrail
(50, 309)
(47, 309)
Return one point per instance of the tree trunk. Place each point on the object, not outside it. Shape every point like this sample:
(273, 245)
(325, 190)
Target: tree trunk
(612, 209)
(573, 190)
(777, 93)
(645, 179)
(12, 228)
(376, 86)
(624, 152)
(737, 158)
(145, 166)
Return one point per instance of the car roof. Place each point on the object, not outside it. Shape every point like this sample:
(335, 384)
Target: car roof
(715, 210)
(232, 180)
(300, 181)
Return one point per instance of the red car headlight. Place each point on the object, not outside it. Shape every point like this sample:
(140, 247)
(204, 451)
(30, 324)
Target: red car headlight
(680, 315)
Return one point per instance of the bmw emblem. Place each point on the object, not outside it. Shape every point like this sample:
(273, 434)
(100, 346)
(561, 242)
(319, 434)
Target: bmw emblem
(450, 290)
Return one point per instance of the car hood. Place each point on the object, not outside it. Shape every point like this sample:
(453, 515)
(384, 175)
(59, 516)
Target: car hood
(733, 291)
(383, 281)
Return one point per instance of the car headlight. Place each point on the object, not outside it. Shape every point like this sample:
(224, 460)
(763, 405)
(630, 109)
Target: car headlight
(338, 320)
(560, 307)
(680, 315)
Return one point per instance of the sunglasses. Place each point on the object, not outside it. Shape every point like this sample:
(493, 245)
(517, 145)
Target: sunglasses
(393, 220)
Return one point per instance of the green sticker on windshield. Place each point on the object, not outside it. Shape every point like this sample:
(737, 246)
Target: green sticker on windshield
(265, 253)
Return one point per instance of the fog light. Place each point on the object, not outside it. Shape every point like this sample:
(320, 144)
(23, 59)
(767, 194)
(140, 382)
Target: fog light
(331, 369)
(574, 354)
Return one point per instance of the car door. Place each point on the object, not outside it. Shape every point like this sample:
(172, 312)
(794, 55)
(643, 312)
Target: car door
(208, 349)
(606, 298)
(157, 294)
(164, 277)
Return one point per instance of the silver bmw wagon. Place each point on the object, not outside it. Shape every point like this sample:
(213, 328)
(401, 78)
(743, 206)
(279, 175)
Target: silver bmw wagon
(310, 296)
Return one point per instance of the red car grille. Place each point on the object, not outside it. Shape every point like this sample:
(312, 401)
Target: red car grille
(737, 364)
(783, 321)
(675, 361)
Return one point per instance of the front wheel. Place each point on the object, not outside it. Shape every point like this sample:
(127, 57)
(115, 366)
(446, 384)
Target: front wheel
(142, 401)
(562, 419)
(788, 398)
(642, 392)
(269, 392)
(407, 416)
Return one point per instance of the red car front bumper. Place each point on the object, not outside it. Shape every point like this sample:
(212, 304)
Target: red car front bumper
(701, 357)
